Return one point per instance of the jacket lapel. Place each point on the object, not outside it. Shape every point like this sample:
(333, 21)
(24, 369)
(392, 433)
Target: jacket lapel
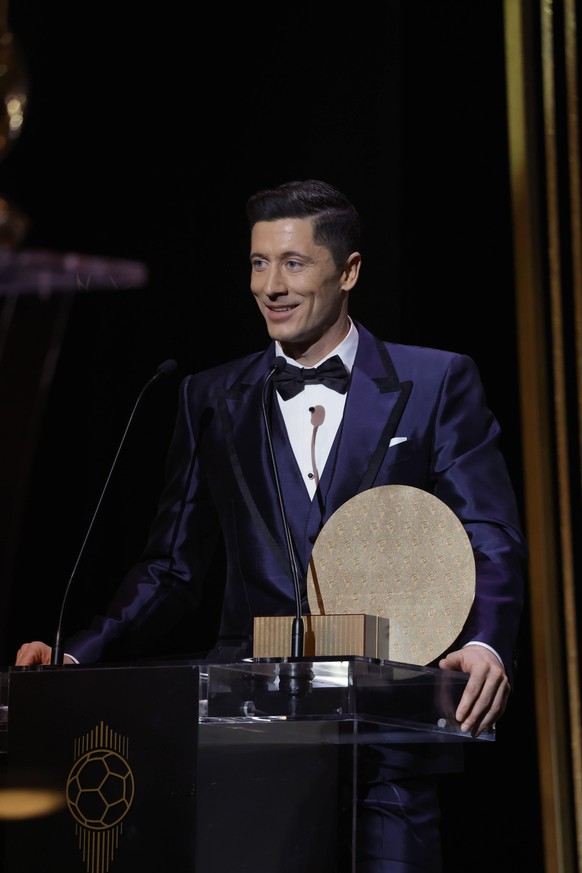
(242, 418)
(374, 406)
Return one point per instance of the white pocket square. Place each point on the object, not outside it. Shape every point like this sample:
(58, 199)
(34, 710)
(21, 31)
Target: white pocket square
(395, 440)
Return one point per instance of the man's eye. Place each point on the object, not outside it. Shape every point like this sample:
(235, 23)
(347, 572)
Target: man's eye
(294, 265)
(258, 264)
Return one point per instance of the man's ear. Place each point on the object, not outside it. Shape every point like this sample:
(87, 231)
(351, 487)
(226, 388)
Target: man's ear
(351, 271)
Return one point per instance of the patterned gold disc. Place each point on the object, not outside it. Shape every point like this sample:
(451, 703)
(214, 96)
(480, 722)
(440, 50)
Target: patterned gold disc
(400, 553)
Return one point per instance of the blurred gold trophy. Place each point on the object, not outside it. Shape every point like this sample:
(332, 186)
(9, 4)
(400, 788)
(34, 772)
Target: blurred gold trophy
(13, 93)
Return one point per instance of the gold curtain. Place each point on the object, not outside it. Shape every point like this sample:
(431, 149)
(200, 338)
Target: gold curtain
(543, 84)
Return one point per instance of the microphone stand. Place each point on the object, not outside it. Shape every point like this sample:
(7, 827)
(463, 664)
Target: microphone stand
(57, 651)
(298, 630)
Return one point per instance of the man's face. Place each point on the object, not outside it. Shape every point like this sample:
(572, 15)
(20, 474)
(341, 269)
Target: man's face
(299, 289)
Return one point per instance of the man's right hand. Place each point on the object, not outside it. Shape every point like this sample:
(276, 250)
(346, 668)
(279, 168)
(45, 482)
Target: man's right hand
(36, 652)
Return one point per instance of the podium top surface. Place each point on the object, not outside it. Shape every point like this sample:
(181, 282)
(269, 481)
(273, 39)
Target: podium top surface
(379, 701)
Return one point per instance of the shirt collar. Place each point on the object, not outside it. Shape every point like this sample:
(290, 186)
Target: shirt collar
(346, 350)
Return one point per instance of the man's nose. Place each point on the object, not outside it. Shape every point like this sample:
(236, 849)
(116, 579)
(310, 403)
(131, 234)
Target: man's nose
(274, 283)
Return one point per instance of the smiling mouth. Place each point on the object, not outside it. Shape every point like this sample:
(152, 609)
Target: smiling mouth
(282, 308)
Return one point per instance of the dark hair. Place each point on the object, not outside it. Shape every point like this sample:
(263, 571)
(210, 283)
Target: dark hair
(336, 222)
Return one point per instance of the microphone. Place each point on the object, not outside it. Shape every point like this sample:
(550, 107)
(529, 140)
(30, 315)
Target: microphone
(298, 630)
(317, 419)
(317, 416)
(165, 369)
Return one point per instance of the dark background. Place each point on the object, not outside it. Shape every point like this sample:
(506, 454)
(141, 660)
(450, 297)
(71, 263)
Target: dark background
(144, 135)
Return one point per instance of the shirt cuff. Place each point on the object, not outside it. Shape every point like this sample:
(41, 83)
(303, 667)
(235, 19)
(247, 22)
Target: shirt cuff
(485, 646)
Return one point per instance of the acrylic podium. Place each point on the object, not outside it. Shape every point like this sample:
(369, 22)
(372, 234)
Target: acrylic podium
(213, 768)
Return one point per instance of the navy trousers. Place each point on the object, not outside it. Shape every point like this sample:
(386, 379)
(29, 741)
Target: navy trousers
(398, 814)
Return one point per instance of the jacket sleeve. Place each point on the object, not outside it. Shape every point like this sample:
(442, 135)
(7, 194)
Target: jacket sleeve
(470, 475)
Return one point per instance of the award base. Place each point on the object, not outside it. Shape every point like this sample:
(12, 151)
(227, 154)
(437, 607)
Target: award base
(325, 636)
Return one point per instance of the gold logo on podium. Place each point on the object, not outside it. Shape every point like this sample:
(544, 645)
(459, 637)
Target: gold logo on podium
(100, 791)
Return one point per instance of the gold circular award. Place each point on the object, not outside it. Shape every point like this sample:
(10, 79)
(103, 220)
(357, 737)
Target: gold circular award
(400, 553)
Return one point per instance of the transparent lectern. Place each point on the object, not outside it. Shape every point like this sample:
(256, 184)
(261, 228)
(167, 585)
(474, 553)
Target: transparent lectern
(196, 767)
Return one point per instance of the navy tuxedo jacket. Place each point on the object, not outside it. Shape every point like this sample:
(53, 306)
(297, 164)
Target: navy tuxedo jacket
(220, 491)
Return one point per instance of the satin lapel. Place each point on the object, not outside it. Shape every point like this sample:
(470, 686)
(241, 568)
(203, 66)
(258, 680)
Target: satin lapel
(244, 432)
(374, 406)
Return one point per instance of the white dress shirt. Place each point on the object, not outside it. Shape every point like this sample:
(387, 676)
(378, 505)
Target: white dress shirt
(313, 416)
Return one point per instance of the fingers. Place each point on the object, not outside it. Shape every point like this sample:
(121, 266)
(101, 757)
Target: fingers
(481, 710)
(33, 653)
(484, 699)
(486, 693)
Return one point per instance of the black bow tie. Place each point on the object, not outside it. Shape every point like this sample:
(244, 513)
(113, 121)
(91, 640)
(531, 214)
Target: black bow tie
(292, 380)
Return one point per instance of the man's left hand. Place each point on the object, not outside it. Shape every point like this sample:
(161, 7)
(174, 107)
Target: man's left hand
(487, 690)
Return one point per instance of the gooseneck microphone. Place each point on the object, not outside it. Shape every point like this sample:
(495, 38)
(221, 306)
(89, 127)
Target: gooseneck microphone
(165, 369)
(297, 631)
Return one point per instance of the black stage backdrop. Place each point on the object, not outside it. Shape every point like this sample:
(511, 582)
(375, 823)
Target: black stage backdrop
(144, 134)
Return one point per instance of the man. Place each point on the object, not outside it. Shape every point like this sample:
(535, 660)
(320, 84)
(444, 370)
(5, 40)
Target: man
(221, 491)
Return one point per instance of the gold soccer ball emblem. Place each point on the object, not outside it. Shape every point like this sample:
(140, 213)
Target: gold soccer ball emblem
(100, 789)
